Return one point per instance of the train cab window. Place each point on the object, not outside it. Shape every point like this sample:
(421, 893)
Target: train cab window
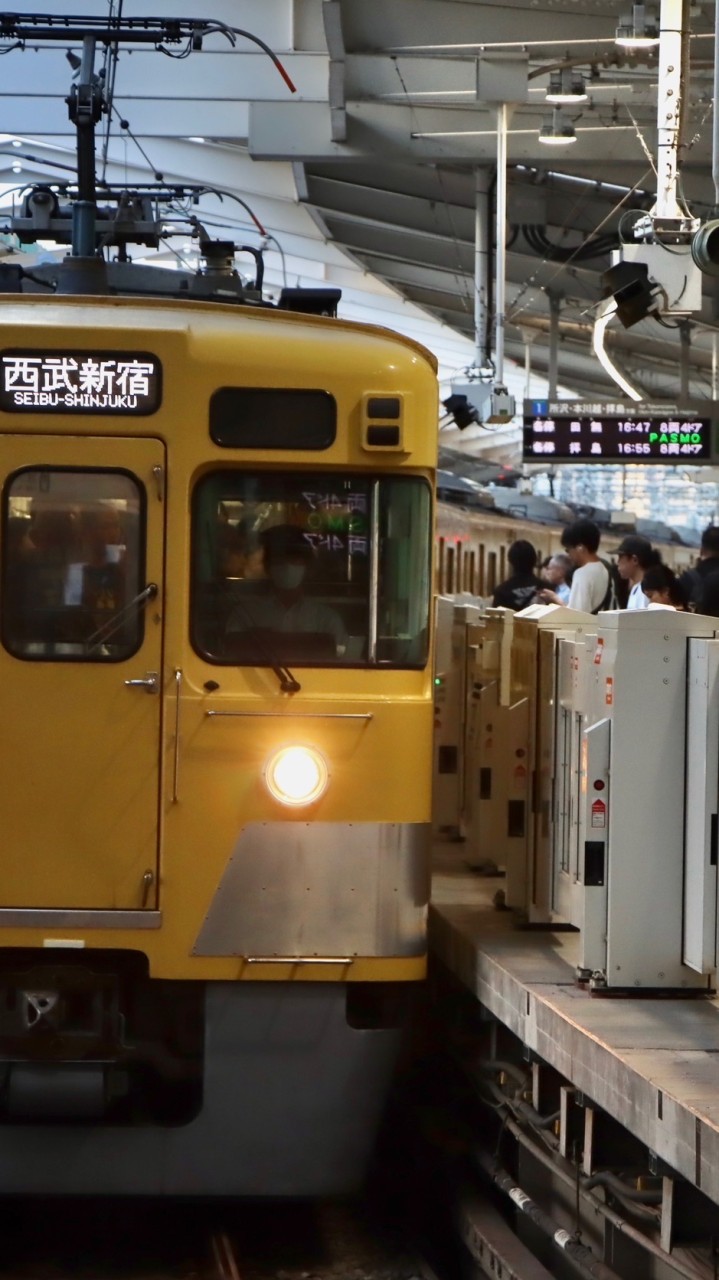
(71, 565)
(310, 569)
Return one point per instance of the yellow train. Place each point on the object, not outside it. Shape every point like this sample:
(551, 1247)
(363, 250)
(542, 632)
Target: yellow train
(471, 548)
(216, 740)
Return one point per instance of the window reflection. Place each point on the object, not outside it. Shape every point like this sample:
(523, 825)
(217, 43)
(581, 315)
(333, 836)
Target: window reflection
(71, 565)
(283, 569)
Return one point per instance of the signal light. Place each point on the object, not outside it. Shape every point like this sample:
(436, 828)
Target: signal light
(634, 294)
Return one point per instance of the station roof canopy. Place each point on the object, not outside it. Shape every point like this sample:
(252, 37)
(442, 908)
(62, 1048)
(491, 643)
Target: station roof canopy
(367, 177)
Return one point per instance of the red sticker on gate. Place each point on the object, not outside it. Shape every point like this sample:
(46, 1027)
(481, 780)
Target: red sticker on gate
(599, 814)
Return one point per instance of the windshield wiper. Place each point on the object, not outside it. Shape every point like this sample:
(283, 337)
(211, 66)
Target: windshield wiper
(261, 641)
(288, 684)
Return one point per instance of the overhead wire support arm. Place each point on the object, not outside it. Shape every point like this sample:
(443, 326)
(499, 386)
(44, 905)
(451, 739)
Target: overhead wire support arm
(23, 27)
(88, 101)
(85, 104)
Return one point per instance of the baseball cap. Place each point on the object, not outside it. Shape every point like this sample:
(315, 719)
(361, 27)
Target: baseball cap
(633, 545)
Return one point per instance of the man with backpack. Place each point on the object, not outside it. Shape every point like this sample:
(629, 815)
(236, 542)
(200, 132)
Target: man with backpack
(591, 588)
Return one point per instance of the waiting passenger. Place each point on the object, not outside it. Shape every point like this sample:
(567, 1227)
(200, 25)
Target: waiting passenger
(37, 568)
(662, 587)
(97, 580)
(556, 575)
(709, 603)
(705, 574)
(279, 603)
(591, 588)
(240, 552)
(519, 590)
(635, 555)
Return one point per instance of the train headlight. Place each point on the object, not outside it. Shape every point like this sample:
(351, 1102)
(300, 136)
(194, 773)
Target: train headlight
(296, 775)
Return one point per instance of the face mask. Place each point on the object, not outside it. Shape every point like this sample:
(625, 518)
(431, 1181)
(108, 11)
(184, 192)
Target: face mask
(287, 577)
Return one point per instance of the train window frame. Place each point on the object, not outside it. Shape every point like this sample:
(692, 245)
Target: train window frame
(60, 651)
(379, 651)
(274, 430)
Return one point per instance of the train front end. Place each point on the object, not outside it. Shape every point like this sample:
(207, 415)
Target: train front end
(216, 742)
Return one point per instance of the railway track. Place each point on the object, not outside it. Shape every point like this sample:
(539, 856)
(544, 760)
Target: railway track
(121, 1240)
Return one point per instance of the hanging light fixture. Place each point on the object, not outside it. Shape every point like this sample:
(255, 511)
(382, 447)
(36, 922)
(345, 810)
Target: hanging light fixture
(560, 132)
(566, 86)
(639, 29)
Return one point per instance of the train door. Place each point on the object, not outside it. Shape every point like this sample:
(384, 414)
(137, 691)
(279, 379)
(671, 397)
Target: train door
(80, 660)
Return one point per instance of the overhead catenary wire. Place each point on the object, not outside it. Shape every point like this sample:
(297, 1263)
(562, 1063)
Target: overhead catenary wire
(512, 318)
(460, 277)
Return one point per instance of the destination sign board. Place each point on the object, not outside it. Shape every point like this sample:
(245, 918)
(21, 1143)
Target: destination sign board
(98, 382)
(585, 431)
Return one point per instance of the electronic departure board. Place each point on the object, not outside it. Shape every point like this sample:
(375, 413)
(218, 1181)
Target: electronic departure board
(577, 431)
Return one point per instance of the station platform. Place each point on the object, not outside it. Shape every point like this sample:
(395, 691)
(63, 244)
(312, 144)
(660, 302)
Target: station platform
(651, 1063)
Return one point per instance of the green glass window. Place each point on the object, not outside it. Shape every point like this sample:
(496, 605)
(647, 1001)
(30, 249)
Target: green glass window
(311, 569)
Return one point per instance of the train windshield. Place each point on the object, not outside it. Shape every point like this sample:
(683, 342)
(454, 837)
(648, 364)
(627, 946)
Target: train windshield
(311, 569)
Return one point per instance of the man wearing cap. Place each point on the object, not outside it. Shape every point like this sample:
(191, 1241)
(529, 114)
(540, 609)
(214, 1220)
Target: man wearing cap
(634, 556)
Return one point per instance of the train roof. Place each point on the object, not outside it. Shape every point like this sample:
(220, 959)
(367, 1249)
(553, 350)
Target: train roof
(130, 313)
(464, 492)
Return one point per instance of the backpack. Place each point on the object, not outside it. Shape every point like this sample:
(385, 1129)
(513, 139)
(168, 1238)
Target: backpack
(610, 600)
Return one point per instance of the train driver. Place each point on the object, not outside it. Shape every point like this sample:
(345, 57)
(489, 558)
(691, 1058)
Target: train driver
(279, 603)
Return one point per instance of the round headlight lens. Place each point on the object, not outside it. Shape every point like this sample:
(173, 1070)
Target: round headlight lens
(296, 775)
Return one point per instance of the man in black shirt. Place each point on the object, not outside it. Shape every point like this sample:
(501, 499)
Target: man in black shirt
(701, 583)
(519, 591)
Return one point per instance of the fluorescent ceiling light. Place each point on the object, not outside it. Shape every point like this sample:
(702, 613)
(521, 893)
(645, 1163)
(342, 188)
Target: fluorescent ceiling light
(566, 86)
(638, 30)
(560, 132)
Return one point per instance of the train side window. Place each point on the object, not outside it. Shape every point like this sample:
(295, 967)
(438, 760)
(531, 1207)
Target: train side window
(440, 566)
(492, 578)
(449, 578)
(72, 560)
(404, 577)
